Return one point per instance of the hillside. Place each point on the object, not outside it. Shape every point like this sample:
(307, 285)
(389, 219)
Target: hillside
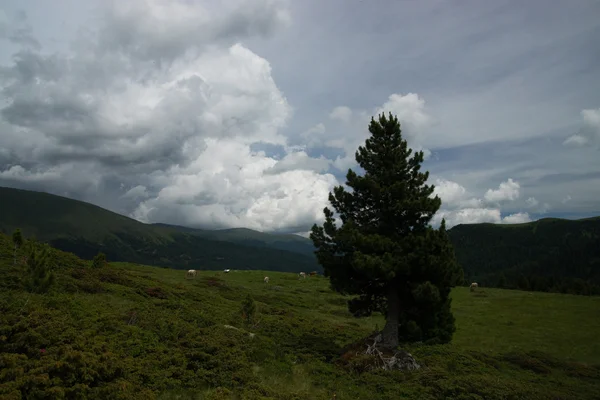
(85, 229)
(128, 331)
(547, 255)
(550, 254)
(249, 237)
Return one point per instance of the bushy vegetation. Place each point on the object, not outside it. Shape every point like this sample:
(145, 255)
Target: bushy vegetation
(549, 255)
(127, 331)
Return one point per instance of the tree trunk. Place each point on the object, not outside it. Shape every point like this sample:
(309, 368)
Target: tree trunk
(390, 331)
(15, 255)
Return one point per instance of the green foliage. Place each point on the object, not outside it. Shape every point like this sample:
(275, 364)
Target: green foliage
(385, 251)
(99, 260)
(248, 310)
(123, 343)
(17, 239)
(39, 275)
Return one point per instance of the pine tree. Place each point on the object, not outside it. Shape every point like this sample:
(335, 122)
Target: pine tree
(17, 239)
(39, 274)
(385, 250)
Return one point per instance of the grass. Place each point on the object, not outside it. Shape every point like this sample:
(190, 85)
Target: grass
(129, 331)
(565, 326)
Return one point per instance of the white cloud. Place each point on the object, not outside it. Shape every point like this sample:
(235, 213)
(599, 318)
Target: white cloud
(341, 113)
(144, 98)
(299, 160)
(517, 218)
(137, 192)
(166, 30)
(460, 207)
(507, 191)
(411, 113)
(313, 137)
(535, 205)
(228, 185)
(454, 195)
(410, 110)
(575, 140)
(590, 130)
(161, 99)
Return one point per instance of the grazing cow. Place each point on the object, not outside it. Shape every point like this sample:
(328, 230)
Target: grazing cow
(302, 275)
(474, 285)
(226, 271)
(266, 279)
(191, 274)
(314, 273)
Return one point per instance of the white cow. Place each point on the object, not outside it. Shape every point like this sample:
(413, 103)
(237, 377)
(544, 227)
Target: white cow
(191, 274)
(266, 279)
(226, 271)
(302, 275)
(474, 285)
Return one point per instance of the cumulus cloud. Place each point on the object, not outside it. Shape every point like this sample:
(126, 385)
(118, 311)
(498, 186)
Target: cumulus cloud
(155, 111)
(341, 113)
(137, 192)
(159, 105)
(507, 191)
(165, 30)
(589, 133)
(299, 160)
(536, 206)
(455, 196)
(461, 207)
(349, 128)
(209, 193)
(517, 218)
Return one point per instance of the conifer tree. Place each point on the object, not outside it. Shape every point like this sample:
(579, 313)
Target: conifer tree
(385, 251)
(39, 274)
(17, 239)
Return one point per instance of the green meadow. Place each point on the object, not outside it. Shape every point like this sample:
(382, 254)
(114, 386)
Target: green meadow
(128, 331)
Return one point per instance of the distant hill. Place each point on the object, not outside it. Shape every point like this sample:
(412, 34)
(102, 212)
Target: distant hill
(84, 229)
(249, 237)
(550, 254)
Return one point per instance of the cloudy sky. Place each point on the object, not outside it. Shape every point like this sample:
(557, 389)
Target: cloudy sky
(246, 113)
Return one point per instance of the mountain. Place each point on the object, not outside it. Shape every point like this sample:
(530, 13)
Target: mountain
(550, 254)
(84, 229)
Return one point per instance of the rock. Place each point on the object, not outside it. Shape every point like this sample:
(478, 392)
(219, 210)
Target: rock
(403, 361)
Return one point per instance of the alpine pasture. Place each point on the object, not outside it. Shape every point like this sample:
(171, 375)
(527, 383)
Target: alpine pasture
(129, 331)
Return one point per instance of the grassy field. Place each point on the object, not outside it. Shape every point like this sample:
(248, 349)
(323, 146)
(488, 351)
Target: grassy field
(135, 332)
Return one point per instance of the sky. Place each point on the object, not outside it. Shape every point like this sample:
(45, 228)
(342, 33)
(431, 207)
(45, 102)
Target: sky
(246, 113)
